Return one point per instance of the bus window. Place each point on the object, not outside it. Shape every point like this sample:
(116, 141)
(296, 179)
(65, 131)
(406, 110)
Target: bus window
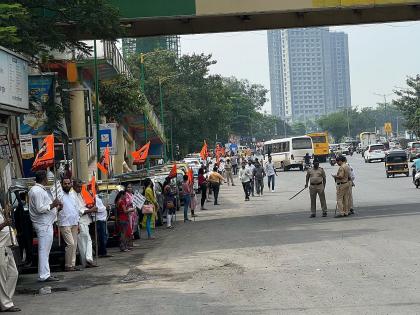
(301, 143)
(319, 139)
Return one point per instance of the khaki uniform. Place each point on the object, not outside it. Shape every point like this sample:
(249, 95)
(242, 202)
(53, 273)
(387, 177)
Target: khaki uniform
(343, 188)
(317, 180)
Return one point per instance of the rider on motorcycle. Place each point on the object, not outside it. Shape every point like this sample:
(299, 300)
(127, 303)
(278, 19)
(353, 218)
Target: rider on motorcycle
(416, 166)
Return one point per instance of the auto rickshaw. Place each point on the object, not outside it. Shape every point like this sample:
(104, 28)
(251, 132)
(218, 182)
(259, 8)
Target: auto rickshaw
(396, 162)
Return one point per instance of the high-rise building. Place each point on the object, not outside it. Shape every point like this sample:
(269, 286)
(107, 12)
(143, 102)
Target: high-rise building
(309, 72)
(147, 44)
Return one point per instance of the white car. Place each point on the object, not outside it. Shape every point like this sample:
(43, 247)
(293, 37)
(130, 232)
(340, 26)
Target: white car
(375, 152)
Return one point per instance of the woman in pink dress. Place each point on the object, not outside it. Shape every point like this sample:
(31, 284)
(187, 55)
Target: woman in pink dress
(133, 216)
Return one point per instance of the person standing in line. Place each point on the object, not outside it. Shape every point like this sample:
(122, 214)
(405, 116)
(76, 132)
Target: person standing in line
(259, 175)
(245, 178)
(251, 168)
(215, 180)
(8, 271)
(317, 179)
(169, 203)
(270, 170)
(342, 183)
(202, 184)
(43, 212)
(187, 191)
(101, 226)
(69, 224)
(150, 219)
(84, 241)
(132, 216)
(228, 170)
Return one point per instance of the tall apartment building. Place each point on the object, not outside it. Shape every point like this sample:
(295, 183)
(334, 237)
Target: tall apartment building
(147, 44)
(309, 72)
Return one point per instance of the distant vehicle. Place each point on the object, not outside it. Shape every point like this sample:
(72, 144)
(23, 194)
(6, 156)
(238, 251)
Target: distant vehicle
(321, 146)
(413, 148)
(191, 161)
(366, 139)
(289, 153)
(375, 152)
(344, 148)
(396, 163)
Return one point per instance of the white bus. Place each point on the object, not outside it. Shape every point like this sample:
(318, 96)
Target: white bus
(288, 153)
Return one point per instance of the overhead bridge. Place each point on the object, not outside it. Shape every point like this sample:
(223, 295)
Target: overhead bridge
(160, 17)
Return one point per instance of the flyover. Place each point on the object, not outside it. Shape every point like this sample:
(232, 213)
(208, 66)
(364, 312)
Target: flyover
(166, 17)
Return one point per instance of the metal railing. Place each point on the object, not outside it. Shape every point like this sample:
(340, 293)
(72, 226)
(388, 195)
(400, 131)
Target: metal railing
(91, 150)
(113, 55)
(154, 120)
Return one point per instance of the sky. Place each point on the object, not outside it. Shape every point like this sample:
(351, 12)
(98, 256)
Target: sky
(381, 57)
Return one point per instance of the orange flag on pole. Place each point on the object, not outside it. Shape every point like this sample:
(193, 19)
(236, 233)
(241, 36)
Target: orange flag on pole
(140, 156)
(45, 156)
(173, 172)
(87, 197)
(92, 185)
(204, 151)
(103, 165)
(190, 175)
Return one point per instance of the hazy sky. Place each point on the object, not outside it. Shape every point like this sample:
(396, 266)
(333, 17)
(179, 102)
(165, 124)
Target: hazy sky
(381, 56)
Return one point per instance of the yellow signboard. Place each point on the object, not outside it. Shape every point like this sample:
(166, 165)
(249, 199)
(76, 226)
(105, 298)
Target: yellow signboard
(388, 127)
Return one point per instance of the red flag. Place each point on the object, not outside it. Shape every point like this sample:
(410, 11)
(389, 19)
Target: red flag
(140, 156)
(87, 197)
(103, 165)
(45, 156)
(173, 172)
(204, 151)
(190, 174)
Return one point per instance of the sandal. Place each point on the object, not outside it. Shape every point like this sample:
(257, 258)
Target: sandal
(12, 309)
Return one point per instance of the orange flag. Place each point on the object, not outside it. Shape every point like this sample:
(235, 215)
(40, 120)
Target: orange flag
(103, 165)
(190, 175)
(140, 156)
(204, 151)
(87, 197)
(45, 156)
(92, 185)
(173, 172)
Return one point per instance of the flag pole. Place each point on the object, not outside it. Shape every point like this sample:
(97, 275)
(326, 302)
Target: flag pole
(58, 223)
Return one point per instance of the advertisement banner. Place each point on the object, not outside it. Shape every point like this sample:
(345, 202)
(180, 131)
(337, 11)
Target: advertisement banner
(26, 146)
(41, 92)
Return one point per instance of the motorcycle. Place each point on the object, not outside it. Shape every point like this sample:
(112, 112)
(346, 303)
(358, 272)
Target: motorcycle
(333, 160)
(307, 166)
(417, 179)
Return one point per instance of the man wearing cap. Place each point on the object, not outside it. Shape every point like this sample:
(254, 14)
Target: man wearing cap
(317, 180)
(342, 181)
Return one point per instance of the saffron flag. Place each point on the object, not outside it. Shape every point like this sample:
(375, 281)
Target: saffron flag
(92, 186)
(140, 156)
(103, 165)
(45, 156)
(190, 174)
(87, 197)
(204, 151)
(173, 172)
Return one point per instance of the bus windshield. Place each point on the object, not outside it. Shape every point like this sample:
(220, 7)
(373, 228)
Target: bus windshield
(301, 143)
(319, 139)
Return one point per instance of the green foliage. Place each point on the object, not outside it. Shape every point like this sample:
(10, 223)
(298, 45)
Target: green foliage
(37, 26)
(408, 103)
(120, 97)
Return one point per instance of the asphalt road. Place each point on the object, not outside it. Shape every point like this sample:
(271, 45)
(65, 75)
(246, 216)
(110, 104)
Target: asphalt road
(263, 257)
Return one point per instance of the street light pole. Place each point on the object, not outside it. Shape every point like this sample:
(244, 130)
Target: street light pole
(162, 119)
(98, 136)
(142, 89)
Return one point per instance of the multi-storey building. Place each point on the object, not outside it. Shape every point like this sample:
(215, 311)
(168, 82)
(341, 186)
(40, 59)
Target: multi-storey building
(309, 72)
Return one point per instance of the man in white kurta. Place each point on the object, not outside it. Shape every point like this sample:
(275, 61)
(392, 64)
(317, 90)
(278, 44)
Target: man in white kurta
(8, 270)
(43, 212)
(84, 241)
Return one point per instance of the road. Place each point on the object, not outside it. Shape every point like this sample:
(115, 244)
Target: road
(265, 256)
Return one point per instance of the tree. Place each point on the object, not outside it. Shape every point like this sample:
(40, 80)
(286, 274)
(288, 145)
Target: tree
(408, 103)
(33, 27)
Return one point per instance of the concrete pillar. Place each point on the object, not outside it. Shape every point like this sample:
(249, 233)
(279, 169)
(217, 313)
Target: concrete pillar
(119, 158)
(78, 131)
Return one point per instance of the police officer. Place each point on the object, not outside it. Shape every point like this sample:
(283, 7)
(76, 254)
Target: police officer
(342, 181)
(317, 179)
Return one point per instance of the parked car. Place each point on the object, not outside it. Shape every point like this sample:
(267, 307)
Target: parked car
(413, 148)
(375, 152)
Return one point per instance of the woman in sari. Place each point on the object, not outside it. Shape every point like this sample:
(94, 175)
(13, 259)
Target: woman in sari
(132, 217)
(123, 223)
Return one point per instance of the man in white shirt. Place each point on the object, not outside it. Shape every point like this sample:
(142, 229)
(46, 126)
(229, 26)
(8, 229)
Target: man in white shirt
(245, 177)
(270, 170)
(101, 226)
(251, 168)
(69, 224)
(8, 270)
(43, 212)
(84, 241)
